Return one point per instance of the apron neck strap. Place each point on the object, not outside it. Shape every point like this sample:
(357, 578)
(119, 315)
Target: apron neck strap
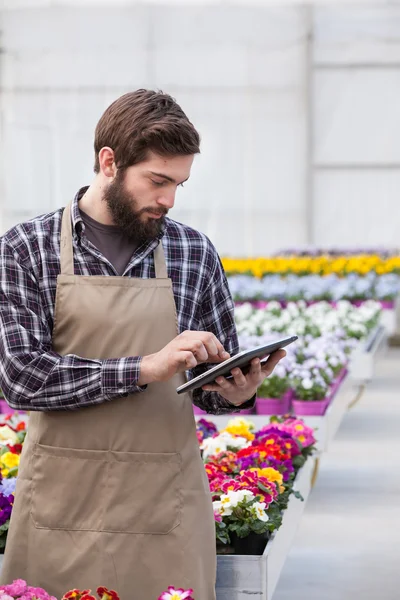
(66, 249)
(67, 253)
(159, 262)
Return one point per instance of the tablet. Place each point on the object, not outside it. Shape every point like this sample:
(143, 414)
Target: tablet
(241, 360)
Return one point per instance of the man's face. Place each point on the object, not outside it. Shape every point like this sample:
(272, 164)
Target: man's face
(140, 196)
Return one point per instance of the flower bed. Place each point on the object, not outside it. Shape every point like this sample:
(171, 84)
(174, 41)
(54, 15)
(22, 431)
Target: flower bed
(315, 365)
(342, 266)
(312, 288)
(251, 475)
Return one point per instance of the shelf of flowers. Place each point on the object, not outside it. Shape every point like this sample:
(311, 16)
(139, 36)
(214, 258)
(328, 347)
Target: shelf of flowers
(323, 370)
(260, 482)
(318, 276)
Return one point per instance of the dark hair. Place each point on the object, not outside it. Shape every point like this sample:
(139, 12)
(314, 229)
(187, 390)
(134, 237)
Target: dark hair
(143, 121)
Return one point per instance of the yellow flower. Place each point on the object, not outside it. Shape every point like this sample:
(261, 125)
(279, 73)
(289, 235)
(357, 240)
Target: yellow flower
(240, 427)
(303, 265)
(272, 475)
(8, 461)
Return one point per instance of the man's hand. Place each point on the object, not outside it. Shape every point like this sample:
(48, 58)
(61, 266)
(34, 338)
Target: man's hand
(186, 351)
(243, 387)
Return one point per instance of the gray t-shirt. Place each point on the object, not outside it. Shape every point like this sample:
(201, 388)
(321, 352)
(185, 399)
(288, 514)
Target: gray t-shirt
(111, 242)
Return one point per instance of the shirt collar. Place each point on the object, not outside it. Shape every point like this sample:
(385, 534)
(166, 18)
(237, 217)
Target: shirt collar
(77, 222)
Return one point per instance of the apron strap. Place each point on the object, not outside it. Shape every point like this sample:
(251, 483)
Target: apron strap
(66, 249)
(67, 252)
(159, 262)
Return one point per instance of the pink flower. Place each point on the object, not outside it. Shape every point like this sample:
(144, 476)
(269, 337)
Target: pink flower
(179, 594)
(5, 596)
(217, 517)
(16, 588)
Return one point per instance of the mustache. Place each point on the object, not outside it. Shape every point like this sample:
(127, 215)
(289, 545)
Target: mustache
(160, 211)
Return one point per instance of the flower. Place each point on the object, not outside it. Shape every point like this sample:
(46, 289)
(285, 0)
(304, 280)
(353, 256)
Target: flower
(205, 428)
(20, 589)
(6, 504)
(270, 474)
(105, 594)
(7, 435)
(259, 508)
(240, 427)
(8, 461)
(176, 594)
(16, 588)
(307, 383)
(211, 446)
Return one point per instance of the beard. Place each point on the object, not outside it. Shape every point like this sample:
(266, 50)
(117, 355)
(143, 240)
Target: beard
(127, 217)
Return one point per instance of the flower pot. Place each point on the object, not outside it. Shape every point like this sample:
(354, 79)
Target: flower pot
(253, 544)
(198, 411)
(387, 304)
(337, 383)
(274, 406)
(5, 409)
(246, 411)
(310, 407)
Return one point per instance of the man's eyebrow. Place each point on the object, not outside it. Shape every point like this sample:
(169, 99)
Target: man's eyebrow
(167, 177)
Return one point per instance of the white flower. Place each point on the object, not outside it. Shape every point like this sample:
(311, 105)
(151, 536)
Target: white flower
(233, 441)
(217, 506)
(259, 508)
(307, 383)
(225, 506)
(240, 495)
(212, 446)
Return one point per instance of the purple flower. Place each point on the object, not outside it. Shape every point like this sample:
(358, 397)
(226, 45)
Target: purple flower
(285, 467)
(7, 486)
(6, 504)
(207, 428)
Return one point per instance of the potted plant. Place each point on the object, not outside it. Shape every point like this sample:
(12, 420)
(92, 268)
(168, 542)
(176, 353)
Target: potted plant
(310, 396)
(274, 394)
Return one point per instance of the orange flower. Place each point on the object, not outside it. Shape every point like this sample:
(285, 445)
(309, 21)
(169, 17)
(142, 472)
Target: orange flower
(21, 426)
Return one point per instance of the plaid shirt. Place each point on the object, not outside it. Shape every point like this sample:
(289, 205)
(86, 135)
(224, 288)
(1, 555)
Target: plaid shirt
(33, 376)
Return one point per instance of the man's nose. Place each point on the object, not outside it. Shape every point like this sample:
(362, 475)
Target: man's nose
(167, 200)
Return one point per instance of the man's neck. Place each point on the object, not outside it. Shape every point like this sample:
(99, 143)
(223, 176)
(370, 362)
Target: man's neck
(92, 204)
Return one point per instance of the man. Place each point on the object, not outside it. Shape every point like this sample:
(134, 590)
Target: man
(104, 306)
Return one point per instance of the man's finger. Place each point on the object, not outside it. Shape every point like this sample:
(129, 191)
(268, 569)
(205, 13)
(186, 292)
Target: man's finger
(273, 361)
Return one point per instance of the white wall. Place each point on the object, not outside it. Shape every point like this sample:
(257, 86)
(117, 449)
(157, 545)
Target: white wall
(356, 123)
(245, 75)
(238, 73)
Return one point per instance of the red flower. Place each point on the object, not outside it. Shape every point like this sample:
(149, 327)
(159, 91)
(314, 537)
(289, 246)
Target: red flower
(77, 595)
(88, 597)
(105, 594)
(21, 426)
(16, 449)
(212, 471)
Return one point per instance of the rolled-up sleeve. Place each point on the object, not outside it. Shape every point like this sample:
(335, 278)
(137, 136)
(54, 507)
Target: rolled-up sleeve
(217, 317)
(32, 375)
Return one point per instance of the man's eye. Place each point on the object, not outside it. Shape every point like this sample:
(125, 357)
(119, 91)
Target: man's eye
(157, 183)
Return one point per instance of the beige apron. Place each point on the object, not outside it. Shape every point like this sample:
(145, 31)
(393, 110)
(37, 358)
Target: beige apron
(115, 494)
